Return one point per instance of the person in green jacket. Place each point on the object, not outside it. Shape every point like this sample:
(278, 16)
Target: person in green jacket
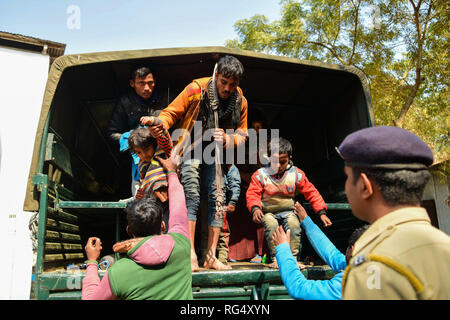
(156, 266)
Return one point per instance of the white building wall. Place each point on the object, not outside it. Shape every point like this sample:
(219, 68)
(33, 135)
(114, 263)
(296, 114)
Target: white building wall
(23, 77)
(437, 189)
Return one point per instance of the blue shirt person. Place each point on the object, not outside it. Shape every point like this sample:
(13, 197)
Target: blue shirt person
(296, 284)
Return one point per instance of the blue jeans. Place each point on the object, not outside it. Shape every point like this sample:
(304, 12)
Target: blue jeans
(233, 185)
(198, 180)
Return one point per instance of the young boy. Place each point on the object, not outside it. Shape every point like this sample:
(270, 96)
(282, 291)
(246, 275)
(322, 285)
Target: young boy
(270, 196)
(147, 143)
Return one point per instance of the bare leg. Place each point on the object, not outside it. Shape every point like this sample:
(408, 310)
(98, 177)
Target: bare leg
(194, 261)
(211, 262)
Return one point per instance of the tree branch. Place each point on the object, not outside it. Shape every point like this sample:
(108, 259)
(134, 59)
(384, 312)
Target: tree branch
(333, 52)
(355, 33)
(418, 80)
(405, 75)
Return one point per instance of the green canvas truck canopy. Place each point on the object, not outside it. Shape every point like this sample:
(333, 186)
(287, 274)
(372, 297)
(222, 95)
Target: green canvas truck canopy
(77, 178)
(315, 104)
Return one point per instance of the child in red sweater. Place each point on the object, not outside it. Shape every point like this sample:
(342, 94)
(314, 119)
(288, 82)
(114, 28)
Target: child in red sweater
(270, 196)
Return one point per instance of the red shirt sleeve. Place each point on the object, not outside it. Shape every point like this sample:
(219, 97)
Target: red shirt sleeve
(165, 142)
(310, 192)
(254, 192)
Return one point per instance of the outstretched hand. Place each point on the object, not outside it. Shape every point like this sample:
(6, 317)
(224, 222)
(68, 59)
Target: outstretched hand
(124, 246)
(150, 121)
(299, 211)
(279, 236)
(168, 164)
(326, 221)
(161, 195)
(154, 124)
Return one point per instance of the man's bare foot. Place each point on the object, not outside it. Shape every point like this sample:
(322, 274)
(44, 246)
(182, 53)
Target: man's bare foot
(194, 262)
(214, 263)
(273, 265)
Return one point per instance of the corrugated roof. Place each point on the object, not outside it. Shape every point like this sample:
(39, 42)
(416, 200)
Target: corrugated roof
(52, 48)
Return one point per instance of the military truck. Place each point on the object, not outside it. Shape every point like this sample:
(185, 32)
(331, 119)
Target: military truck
(77, 178)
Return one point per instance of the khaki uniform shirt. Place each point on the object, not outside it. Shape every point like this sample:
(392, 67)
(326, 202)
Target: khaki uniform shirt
(400, 256)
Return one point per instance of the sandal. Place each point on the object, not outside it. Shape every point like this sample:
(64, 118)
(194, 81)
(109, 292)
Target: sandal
(256, 259)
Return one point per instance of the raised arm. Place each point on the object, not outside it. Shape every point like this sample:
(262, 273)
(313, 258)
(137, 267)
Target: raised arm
(92, 287)
(178, 107)
(321, 244)
(159, 132)
(165, 142)
(178, 221)
(296, 284)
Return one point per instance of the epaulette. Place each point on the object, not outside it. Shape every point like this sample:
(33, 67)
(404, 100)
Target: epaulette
(404, 271)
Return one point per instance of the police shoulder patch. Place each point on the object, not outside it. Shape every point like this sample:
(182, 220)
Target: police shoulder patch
(359, 260)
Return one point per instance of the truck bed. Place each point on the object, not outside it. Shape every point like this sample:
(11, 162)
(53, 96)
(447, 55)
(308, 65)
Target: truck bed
(246, 281)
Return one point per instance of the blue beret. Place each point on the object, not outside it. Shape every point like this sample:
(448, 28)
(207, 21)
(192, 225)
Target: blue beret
(385, 147)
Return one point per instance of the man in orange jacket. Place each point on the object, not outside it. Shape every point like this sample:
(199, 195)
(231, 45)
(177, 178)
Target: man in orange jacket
(195, 104)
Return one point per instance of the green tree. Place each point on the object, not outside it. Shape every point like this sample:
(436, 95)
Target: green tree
(402, 47)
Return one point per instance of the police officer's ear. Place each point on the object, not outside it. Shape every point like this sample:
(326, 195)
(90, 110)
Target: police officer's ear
(132, 83)
(349, 253)
(366, 186)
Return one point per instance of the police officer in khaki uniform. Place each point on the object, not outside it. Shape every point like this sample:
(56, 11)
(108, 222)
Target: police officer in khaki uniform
(401, 256)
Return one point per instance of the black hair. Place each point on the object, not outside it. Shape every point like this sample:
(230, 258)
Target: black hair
(141, 138)
(140, 72)
(144, 216)
(229, 66)
(256, 116)
(356, 234)
(280, 146)
(397, 186)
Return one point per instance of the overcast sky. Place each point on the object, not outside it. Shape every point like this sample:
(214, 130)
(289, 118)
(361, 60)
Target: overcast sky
(100, 25)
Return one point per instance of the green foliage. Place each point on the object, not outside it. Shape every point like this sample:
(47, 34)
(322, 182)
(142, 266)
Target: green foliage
(402, 47)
